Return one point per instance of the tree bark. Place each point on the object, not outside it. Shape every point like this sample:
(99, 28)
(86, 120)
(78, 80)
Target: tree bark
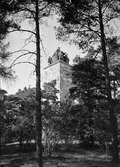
(38, 91)
(21, 140)
(112, 116)
(0, 143)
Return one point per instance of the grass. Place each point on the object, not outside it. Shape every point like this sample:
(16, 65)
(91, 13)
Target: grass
(74, 157)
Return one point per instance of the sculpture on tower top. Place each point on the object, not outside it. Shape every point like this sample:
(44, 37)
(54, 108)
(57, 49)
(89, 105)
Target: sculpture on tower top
(58, 56)
(76, 60)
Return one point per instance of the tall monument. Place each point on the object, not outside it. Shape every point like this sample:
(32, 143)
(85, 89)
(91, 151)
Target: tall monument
(59, 69)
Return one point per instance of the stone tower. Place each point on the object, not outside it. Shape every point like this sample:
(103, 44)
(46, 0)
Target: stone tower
(59, 69)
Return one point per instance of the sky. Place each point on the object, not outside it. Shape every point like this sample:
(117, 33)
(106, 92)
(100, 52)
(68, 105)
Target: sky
(24, 73)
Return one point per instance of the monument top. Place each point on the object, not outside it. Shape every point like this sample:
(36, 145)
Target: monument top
(58, 56)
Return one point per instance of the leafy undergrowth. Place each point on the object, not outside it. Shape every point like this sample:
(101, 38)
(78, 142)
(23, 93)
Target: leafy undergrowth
(81, 158)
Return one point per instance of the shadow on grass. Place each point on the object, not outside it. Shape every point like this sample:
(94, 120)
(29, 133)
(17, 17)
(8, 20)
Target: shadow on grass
(29, 160)
(15, 148)
(72, 157)
(16, 160)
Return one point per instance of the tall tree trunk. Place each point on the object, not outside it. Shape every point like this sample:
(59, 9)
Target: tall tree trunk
(113, 119)
(21, 140)
(38, 91)
(0, 142)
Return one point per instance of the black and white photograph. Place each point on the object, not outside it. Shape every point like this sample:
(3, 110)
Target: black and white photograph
(59, 83)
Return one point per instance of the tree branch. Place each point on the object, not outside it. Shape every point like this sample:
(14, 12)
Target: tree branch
(107, 6)
(19, 58)
(30, 11)
(43, 47)
(22, 30)
(24, 50)
(23, 62)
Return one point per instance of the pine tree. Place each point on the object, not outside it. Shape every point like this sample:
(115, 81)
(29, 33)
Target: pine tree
(87, 20)
(5, 24)
(33, 10)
